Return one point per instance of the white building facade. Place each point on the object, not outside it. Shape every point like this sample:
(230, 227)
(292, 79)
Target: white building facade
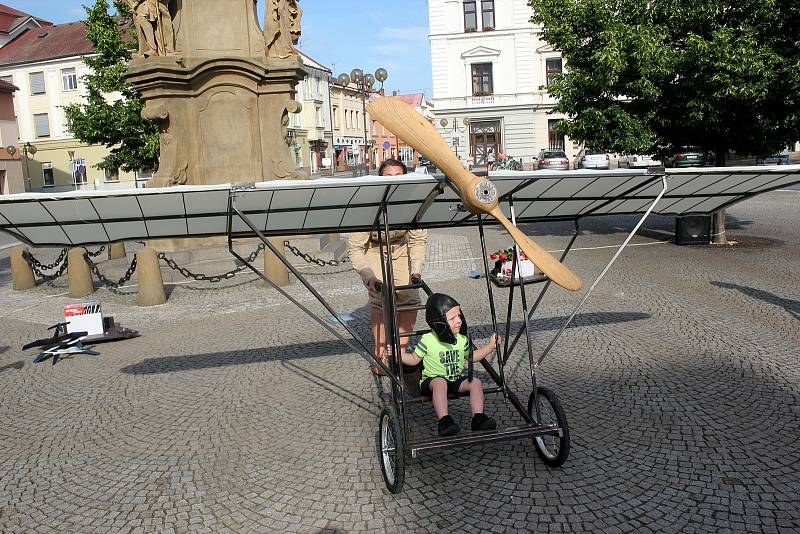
(490, 71)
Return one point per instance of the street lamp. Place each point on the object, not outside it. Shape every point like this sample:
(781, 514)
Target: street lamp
(364, 86)
(332, 81)
(28, 148)
(456, 130)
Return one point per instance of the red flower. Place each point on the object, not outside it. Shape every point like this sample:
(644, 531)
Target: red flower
(502, 257)
(493, 256)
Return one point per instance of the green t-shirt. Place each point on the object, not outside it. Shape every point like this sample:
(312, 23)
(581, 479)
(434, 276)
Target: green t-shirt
(442, 359)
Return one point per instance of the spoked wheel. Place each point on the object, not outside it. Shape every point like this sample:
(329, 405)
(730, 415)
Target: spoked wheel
(391, 451)
(553, 449)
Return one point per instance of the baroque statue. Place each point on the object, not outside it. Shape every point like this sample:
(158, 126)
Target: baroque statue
(282, 27)
(154, 30)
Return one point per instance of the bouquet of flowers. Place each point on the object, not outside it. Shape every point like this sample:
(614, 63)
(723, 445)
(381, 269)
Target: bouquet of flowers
(504, 262)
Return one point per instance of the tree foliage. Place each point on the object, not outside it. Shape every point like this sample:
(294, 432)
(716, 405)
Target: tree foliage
(650, 76)
(111, 112)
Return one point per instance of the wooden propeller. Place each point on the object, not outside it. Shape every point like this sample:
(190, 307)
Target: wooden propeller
(479, 195)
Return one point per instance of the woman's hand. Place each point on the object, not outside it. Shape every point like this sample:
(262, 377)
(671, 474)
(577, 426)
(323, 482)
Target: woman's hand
(373, 283)
(416, 278)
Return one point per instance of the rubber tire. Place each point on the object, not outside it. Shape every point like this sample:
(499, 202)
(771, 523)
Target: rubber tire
(547, 397)
(389, 434)
(515, 166)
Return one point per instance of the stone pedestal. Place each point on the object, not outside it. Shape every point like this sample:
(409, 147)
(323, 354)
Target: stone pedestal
(81, 282)
(21, 273)
(148, 274)
(274, 269)
(116, 251)
(221, 100)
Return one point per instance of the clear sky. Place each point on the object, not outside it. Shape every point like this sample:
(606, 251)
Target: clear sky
(342, 35)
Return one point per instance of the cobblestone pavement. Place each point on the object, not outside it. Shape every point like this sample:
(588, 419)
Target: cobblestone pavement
(235, 413)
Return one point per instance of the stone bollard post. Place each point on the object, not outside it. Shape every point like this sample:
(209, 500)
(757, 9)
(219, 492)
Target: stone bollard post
(274, 269)
(148, 273)
(80, 276)
(116, 251)
(21, 273)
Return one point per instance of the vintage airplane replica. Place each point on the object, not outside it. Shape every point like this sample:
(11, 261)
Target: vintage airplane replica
(455, 199)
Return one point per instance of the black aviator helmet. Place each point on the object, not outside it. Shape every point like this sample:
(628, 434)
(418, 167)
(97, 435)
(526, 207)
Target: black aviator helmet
(436, 316)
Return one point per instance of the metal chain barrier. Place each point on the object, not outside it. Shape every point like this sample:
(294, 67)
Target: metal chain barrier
(206, 278)
(105, 281)
(37, 267)
(96, 253)
(308, 258)
(34, 263)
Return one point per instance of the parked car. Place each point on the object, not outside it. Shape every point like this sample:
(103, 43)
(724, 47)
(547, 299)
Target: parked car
(632, 161)
(590, 159)
(552, 159)
(689, 156)
(781, 158)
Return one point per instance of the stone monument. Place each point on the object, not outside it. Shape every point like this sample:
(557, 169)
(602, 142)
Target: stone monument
(220, 89)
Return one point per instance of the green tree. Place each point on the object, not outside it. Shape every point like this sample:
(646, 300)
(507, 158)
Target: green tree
(133, 142)
(652, 76)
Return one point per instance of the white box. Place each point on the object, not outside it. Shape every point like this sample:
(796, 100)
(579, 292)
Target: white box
(84, 317)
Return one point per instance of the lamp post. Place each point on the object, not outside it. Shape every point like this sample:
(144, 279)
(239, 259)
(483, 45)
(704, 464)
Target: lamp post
(456, 130)
(28, 148)
(331, 81)
(364, 86)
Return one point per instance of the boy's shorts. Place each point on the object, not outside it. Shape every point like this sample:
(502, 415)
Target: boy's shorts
(452, 386)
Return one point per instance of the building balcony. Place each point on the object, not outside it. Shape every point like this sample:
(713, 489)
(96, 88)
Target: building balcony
(527, 100)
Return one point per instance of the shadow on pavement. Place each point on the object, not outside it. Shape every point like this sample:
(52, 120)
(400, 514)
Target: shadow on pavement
(353, 398)
(299, 351)
(192, 362)
(554, 323)
(792, 306)
(16, 365)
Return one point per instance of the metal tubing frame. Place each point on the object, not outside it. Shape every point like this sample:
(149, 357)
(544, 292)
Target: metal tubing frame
(362, 350)
(605, 270)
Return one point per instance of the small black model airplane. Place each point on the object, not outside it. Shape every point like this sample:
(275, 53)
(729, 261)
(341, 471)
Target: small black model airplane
(59, 344)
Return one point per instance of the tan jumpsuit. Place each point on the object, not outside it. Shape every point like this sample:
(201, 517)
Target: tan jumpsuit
(408, 257)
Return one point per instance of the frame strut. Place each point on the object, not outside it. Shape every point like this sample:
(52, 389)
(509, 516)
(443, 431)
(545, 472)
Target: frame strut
(603, 273)
(363, 350)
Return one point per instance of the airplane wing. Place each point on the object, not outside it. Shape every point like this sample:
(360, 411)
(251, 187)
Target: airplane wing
(285, 208)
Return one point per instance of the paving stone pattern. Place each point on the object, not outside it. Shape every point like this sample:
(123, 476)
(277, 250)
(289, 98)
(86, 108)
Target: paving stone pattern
(234, 412)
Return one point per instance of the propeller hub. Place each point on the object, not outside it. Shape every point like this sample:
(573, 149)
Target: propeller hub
(485, 192)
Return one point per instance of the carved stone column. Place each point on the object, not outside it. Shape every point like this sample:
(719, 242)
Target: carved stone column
(221, 100)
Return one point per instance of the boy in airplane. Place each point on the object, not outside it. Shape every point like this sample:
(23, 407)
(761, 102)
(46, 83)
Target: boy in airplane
(443, 353)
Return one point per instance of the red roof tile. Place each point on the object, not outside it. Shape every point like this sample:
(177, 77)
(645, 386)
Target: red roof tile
(6, 87)
(414, 100)
(314, 61)
(51, 42)
(10, 18)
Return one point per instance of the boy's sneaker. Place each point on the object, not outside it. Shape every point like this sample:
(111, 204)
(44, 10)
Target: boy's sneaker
(448, 427)
(481, 421)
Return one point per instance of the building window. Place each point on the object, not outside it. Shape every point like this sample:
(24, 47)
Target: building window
(335, 117)
(37, 83)
(320, 118)
(7, 79)
(69, 80)
(487, 14)
(47, 175)
(552, 67)
(555, 139)
(111, 175)
(41, 125)
(482, 83)
(470, 16)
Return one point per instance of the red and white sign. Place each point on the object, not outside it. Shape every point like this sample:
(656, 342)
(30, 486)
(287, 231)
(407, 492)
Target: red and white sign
(84, 317)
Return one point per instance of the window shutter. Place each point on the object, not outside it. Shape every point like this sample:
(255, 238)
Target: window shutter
(37, 83)
(7, 79)
(41, 125)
